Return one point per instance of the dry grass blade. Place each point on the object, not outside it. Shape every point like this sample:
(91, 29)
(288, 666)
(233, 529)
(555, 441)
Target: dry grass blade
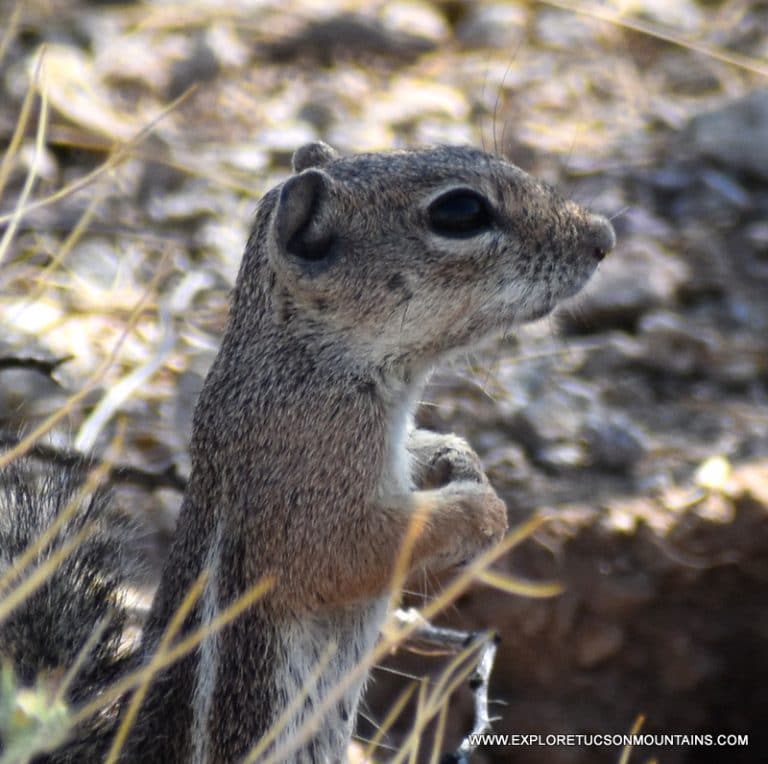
(747, 63)
(636, 727)
(197, 166)
(514, 585)
(455, 674)
(189, 601)
(19, 211)
(421, 702)
(402, 564)
(12, 24)
(394, 712)
(439, 690)
(180, 16)
(18, 134)
(437, 745)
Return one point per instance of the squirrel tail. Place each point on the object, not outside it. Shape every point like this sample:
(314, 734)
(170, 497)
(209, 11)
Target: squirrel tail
(74, 624)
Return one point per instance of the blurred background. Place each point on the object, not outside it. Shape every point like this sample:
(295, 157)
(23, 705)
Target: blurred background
(135, 140)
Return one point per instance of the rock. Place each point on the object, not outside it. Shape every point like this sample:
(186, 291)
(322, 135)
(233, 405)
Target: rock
(562, 30)
(26, 394)
(641, 220)
(561, 456)
(688, 664)
(349, 36)
(757, 234)
(680, 15)
(615, 354)
(224, 40)
(201, 65)
(247, 156)
(507, 466)
(622, 594)
(493, 26)
(413, 18)
(683, 78)
(615, 445)
(159, 178)
(318, 113)
(225, 238)
(712, 134)
(675, 346)
(96, 263)
(727, 189)
(193, 201)
(554, 416)
(282, 141)
(410, 99)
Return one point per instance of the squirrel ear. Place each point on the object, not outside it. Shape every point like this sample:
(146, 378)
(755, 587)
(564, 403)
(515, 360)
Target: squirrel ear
(300, 226)
(317, 154)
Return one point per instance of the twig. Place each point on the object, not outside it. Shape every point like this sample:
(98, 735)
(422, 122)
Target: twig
(118, 473)
(453, 640)
(46, 367)
(478, 683)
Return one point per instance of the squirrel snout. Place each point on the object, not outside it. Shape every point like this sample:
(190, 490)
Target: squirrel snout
(599, 237)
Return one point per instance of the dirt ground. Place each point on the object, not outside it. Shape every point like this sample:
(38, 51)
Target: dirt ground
(637, 417)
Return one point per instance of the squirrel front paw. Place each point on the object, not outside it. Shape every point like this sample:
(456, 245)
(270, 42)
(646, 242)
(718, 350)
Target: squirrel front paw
(480, 521)
(439, 460)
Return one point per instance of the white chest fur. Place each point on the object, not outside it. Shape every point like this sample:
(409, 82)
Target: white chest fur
(395, 480)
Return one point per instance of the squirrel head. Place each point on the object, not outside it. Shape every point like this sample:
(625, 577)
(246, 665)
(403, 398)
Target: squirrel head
(406, 256)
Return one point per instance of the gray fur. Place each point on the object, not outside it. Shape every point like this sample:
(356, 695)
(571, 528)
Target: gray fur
(306, 465)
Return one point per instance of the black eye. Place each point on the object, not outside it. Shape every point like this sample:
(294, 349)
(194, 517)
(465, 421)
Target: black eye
(459, 214)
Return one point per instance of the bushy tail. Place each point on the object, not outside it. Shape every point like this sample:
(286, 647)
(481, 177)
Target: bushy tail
(77, 617)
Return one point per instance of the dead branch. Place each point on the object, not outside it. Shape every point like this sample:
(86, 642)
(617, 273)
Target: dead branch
(119, 473)
(452, 640)
(44, 366)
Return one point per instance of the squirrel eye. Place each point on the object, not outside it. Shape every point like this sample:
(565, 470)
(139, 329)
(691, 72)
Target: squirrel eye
(459, 214)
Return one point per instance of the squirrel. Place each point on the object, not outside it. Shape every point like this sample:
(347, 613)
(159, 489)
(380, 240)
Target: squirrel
(361, 274)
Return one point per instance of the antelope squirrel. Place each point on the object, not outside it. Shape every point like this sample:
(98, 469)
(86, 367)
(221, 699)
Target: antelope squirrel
(361, 273)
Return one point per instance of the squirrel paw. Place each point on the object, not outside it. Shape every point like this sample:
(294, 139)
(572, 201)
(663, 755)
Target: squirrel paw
(481, 520)
(444, 459)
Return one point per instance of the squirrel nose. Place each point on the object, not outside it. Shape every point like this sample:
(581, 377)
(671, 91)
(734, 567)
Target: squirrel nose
(599, 237)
